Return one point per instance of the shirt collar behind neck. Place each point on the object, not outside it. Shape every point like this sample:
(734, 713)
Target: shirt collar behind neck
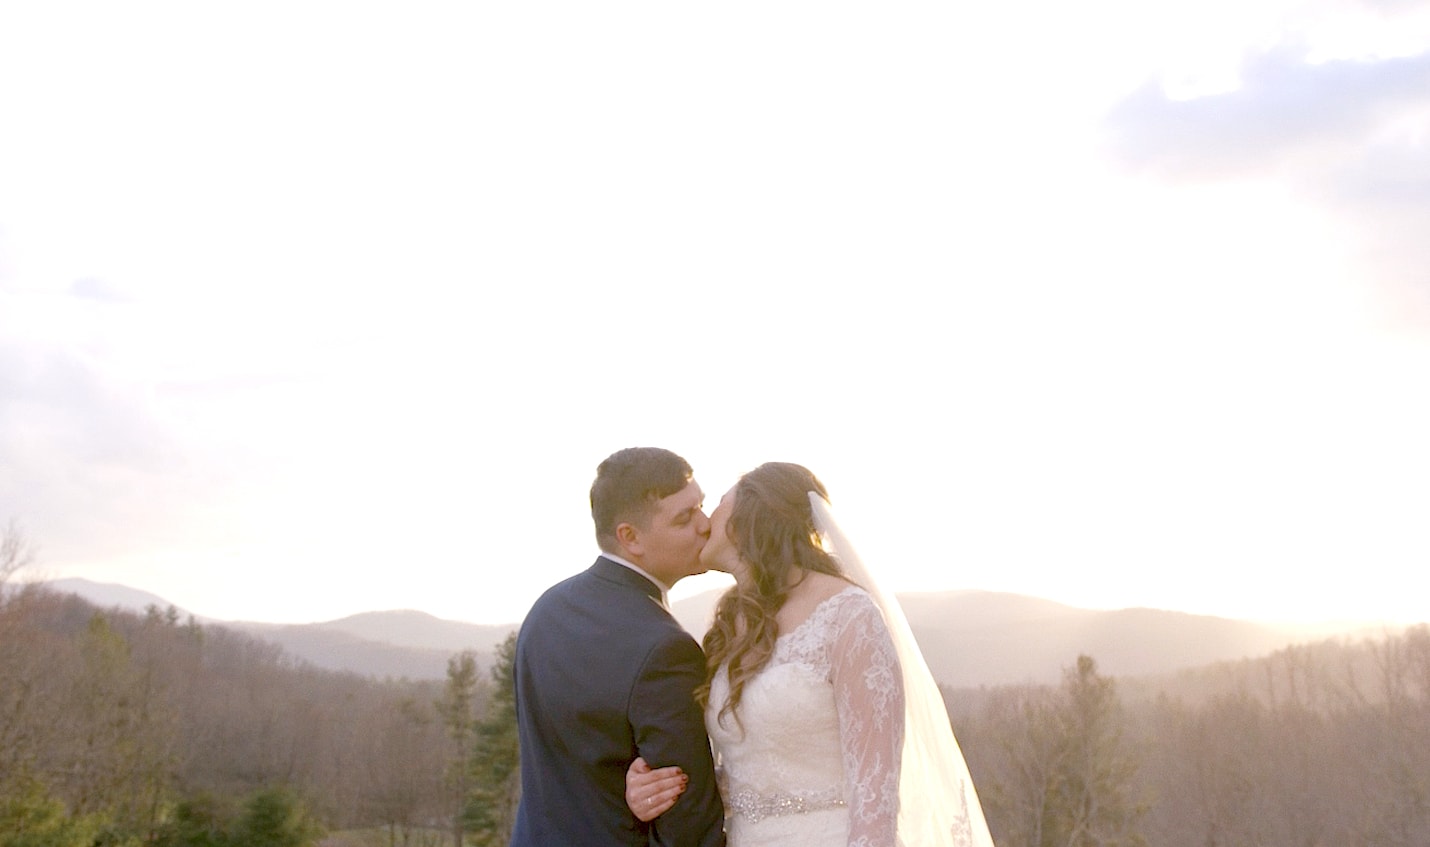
(664, 591)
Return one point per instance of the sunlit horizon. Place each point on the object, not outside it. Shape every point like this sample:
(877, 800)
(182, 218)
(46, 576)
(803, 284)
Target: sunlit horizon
(1128, 316)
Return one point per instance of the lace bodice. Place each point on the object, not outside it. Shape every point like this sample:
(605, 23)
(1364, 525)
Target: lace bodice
(814, 756)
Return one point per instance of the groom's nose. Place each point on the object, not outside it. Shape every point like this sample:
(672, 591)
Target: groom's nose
(702, 524)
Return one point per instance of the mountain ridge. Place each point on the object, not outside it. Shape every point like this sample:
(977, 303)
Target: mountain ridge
(970, 638)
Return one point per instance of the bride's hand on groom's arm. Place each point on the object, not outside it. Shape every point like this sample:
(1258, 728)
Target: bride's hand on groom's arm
(651, 792)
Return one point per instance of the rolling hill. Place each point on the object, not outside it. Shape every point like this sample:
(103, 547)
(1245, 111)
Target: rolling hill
(969, 638)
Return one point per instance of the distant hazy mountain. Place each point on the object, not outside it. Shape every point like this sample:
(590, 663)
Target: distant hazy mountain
(109, 595)
(396, 644)
(408, 644)
(696, 612)
(975, 638)
(969, 638)
(419, 629)
(972, 638)
(332, 648)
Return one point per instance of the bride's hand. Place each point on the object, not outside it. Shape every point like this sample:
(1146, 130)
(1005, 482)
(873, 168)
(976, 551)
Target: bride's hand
(651, 792)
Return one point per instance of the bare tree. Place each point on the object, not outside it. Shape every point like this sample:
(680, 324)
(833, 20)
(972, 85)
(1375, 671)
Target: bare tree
(1021, 725)
(28, 669)
(404, 788)
(1210, 773)
(16, 552)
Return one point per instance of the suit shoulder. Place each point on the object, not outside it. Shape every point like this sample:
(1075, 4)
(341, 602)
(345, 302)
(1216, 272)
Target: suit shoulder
(669, 641)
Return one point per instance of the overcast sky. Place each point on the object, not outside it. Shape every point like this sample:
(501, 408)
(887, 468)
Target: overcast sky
(313, 309)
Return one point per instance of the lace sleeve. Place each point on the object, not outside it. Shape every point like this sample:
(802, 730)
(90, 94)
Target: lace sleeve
(869, 694)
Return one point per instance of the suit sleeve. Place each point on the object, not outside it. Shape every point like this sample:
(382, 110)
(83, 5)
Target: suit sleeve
(669, 729)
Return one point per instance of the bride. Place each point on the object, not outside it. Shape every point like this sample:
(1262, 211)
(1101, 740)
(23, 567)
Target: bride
(827, 727)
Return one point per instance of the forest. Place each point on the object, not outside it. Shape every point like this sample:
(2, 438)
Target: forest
(1317, 744)
(128, 729)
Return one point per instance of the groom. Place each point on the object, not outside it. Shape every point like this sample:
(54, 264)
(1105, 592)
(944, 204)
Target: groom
(604, 674)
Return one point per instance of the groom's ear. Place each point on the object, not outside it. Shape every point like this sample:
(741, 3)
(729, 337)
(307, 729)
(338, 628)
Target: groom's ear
(629, 538)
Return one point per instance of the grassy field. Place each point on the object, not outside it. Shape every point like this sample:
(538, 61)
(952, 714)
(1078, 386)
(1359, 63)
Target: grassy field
(386, 838)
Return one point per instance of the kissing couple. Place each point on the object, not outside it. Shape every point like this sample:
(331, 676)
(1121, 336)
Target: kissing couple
(809, 719)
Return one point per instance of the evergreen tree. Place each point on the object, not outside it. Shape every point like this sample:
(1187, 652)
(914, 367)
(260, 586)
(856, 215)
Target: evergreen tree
(30, 817)
(458, 710)
(495, 771)
(275, 817)
(1088, 803)
(105, 730)
(198, 821)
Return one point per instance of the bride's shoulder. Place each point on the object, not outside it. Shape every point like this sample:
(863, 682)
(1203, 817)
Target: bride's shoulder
(815, 595)
(838, 598)
(822, 586)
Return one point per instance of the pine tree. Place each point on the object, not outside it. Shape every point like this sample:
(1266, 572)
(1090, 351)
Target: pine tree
(495, 774)
(458, 708)
(274, 817)
(32, 818)
(1088, 803)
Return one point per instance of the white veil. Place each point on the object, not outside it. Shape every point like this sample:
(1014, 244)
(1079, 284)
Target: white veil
(937, 804)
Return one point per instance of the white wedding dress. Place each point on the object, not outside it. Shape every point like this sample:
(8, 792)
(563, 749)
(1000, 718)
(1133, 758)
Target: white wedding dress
(843, 739)
(814, 759)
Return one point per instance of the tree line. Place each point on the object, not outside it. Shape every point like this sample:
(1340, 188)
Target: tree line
(127, 721)
(128, 729)
(144, 729)
(1315, 745)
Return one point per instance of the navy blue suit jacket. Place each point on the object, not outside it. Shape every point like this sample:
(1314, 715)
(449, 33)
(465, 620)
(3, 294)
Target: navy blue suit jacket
(605, 674)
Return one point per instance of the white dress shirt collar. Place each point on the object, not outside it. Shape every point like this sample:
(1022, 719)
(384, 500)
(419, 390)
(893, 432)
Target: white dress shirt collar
(664, 592)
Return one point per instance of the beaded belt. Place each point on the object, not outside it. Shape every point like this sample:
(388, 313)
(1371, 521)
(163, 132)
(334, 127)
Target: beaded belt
(756, 807)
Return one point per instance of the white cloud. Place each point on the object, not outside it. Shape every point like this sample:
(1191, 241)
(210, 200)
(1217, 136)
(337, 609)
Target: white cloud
(1284, 109)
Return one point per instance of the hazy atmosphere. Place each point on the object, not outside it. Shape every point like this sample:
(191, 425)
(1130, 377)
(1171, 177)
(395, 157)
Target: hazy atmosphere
(309, 309)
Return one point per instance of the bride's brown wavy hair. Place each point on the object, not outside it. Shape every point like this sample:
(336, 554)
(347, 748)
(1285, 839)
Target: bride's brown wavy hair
(772, 527)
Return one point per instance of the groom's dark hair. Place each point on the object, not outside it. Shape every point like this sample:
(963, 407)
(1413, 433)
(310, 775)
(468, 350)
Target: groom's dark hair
(627, 486)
